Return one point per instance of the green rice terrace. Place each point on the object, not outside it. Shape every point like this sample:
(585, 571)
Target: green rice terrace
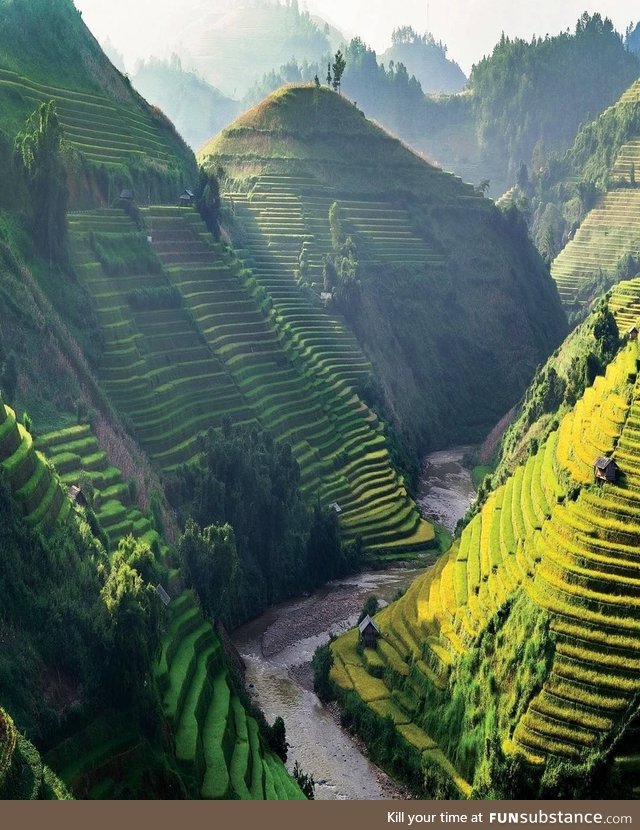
(22, 773)
(121, 139)
(104, 131)
(34, 483)
(553, 556)
(610, 233)
(187, 344)
(217, 745)
(310, 182)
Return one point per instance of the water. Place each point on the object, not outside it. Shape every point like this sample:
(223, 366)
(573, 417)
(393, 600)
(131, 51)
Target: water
(446, 489)
(277, 649)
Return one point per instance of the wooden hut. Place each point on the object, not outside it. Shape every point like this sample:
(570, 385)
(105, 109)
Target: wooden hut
(187, 198)
(632, 334)
(605, 469)
(77, 496)
(126, 195)
(369, 632)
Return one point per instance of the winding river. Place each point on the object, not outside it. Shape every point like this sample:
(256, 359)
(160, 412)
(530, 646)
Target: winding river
(277, 649)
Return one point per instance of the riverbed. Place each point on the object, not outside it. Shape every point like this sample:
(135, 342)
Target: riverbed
(277, 649)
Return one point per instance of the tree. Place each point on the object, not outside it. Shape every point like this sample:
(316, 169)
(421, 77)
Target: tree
(39, 149)
(277, 738)
(208, 198)
(339, 65)
(328, 74)
(212, 564)
(305, 782)
(134, 623)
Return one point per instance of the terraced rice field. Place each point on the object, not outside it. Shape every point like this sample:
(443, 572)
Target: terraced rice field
(296, 369)
(75, 450)
(217, 743)
(610, 232)
(103, 131)
(176, 372)
(33, 481)
(572, 546)
(156, 366)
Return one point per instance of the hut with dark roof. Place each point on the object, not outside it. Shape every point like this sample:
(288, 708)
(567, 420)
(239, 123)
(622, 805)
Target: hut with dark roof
(605, 469)
(369, 632)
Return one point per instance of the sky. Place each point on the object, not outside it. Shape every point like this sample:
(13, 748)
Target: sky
(470, 28)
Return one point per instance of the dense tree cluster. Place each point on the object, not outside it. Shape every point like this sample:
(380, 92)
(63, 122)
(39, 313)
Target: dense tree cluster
(39, 150)
(250, 538)
(531, 97)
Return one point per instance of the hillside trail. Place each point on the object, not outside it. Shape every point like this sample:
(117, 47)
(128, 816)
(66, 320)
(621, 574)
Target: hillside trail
(277, 649)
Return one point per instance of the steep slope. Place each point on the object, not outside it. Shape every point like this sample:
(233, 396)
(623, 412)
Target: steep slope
(439, 274)
(192, 345)
(602, 167)
(120, 138)
(519, 650)
(22, 774)
(219, 749)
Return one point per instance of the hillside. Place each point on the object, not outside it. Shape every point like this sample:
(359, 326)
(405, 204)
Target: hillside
(118, 139)
(197, 346)
(587, 201)
(423, 250)
(510, 669)
(22, 774)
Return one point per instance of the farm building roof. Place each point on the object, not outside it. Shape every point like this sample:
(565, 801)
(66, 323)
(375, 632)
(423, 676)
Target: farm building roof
(366, 622)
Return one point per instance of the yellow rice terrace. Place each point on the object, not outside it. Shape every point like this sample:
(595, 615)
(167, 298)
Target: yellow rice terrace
(513, 666)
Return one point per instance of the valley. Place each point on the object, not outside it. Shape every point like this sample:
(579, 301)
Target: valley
(243, 393)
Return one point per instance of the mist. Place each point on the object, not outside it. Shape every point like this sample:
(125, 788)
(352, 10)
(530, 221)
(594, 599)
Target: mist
(470, 28)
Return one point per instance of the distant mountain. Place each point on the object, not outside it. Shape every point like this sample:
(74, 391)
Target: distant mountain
(633, 39)
(196, 108)
(233, 50)
(426, 59)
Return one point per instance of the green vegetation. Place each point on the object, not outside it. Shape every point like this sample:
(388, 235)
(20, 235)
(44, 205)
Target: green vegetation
(550, 561)
(507, 89)
(523, 102)
(113, 139)
(390, 204)
(557, 386)
(262, 543)
(22, 774)
(40, 150)
(425, 59)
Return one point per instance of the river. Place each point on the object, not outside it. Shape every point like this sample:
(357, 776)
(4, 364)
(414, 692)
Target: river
(278, 646)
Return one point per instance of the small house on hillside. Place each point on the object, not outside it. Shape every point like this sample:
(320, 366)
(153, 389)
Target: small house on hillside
(369, 632)
(336, 508)
(187, 198)
(605, 469)
(127, 195)
(164, 596)
(77, 496)
(632, 334)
